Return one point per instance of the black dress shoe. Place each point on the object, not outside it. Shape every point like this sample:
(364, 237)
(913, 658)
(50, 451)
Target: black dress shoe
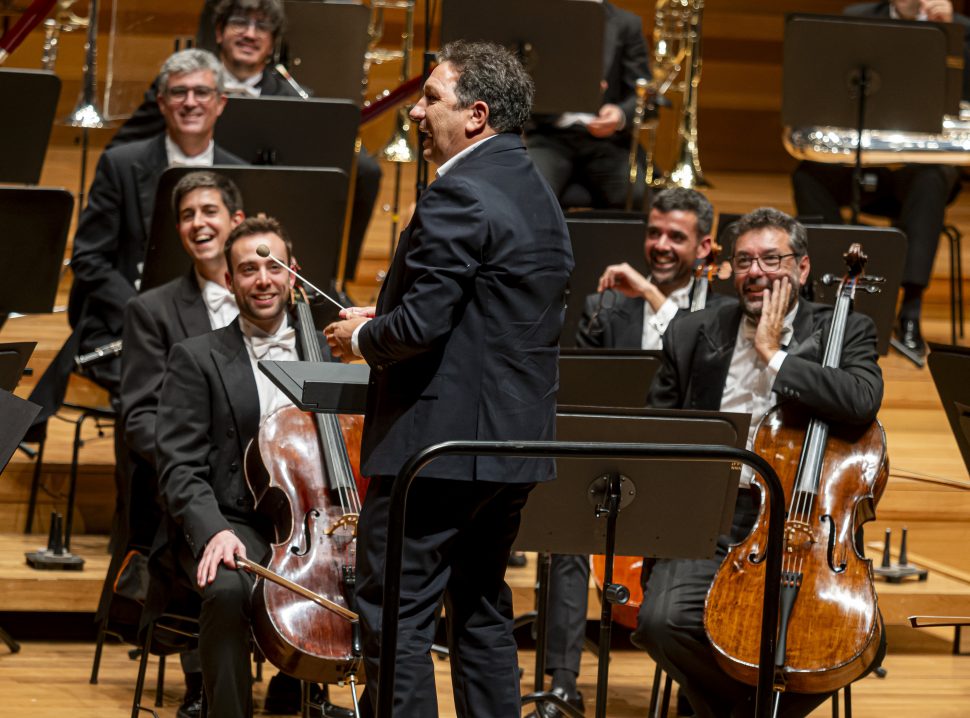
(283, 695)
(516, 559)
(329, 710)
(548, 710)
(909, 336)
(191, 707)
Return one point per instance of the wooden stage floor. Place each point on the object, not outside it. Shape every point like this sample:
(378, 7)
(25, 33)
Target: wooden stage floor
(50, 679)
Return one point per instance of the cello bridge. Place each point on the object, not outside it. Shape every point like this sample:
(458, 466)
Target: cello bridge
(345, 520)
(798, 536)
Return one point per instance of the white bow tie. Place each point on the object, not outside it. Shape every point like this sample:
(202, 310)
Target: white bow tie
(285, 339)
(215, 296)
(234, 87)
(749, 328)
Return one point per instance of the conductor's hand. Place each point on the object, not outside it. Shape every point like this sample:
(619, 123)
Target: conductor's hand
(937, 10)
(339, 335)
(629, 282)
(774, 307)
(609, 119)
(222, 548)
(368, 312)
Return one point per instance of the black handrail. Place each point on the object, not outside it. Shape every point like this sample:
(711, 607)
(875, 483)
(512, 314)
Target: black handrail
(572, 449)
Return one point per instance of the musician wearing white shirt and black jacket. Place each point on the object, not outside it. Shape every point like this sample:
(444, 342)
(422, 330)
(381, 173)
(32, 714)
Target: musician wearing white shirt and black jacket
(629, 311)
(744, 357)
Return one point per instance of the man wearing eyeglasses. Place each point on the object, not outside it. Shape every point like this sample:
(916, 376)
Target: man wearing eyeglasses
(745, 357)
(629, 311)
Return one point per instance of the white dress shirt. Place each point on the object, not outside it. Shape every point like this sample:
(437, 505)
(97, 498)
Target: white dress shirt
(220, 303)
(244, 88)
(280, 346)
(750, 382)
(177, 158)
(655, 322)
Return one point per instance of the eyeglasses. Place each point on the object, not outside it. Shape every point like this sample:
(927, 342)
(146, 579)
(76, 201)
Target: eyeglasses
(741, 263)
(244, 22)
(180, 93)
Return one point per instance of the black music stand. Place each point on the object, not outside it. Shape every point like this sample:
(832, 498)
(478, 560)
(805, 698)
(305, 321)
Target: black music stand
(852, 72)
(949, 367)
(886, 248)
(310, 203)
(549, 35)
(597, 243)
(35, 223)
(606, 377)
(334, 68)
(325, 387)
(290, 131)
(24, 133)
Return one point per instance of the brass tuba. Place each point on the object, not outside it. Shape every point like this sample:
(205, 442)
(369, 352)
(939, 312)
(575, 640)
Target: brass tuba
(677, 59)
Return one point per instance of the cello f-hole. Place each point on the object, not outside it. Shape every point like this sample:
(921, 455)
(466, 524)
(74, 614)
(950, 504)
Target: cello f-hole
(295, 549)
(827, 519)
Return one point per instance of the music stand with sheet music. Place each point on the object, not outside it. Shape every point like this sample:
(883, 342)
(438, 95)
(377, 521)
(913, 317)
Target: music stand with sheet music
(290, 131)
(35, 222)
(950, 366)
(309, 202)
(851, 72)
(549, 35)
(334, 68)
(597, 243)
(24, 133)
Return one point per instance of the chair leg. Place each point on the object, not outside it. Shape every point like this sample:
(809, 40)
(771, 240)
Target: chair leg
(655, 693)
(835, 705)
(34, 486)
(665, 706)
(142, 667)
(160, 683)
(99, 647)
(847, 696)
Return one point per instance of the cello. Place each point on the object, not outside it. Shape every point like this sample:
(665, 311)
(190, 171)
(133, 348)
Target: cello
(829, 627)
(300, 474)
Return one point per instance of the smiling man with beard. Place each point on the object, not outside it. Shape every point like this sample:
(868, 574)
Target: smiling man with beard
(629, 311)
(745, 357)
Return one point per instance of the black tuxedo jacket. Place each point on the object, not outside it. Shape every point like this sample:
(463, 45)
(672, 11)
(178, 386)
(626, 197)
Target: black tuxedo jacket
(619, 326)
(208, 411)
(697, 355)
(112, 233)
(624, 62)
(147, 120)
(881, 9)
(465, 342)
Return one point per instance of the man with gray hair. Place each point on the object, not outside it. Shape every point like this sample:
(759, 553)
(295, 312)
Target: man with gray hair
(745, 357)
(463, 344)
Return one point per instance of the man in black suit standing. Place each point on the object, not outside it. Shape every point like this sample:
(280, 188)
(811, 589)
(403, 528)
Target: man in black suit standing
(211, 403)
(629, 311)
(745, 357)
(594, 151)
(208, 206)
(915, 196)
(463, 344)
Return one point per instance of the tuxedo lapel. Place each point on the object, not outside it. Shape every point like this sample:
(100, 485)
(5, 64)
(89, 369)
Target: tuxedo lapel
(629, 330)
(712, 360)
(236, 372)
(807, 340)
(147, 172)
(190, 307)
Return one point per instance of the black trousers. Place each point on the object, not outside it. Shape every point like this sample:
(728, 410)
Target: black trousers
(914, 196)
(457, 542)
(572, 155)
(224, 628)
(566, 618)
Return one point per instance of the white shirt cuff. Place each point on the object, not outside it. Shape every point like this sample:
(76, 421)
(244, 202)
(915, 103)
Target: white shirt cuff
(668, 310)
(774, 366)
(354, 342)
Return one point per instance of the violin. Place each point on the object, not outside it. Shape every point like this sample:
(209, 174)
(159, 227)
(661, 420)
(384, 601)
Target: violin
(829, 628)
(299, 470)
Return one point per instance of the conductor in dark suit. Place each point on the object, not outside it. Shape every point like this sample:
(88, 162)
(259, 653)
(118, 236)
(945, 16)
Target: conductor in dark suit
(595, 151)
(211, 403)
(463, 345)
(915, 196)
(745, 357)
(629, 311)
